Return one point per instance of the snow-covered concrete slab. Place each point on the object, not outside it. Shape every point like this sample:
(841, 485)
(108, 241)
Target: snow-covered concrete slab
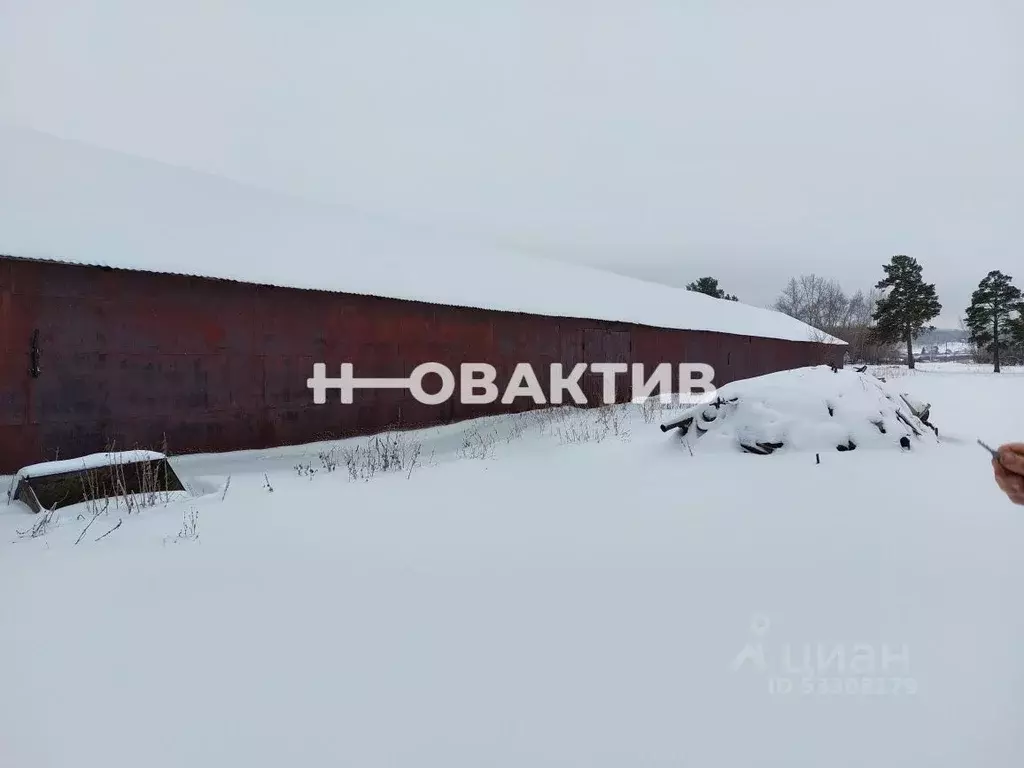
(89, 461)
(50, 485)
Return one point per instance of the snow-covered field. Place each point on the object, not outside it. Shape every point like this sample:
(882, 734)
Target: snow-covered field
(573, 589)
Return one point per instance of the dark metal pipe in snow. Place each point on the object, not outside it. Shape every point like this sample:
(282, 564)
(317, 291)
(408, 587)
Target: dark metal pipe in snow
(675, 423)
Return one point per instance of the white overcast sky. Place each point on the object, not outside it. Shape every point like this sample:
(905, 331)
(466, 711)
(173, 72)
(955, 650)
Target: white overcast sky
(746, 139)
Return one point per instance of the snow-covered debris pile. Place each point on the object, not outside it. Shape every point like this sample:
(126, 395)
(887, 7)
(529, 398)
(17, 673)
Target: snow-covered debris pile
(808, 409)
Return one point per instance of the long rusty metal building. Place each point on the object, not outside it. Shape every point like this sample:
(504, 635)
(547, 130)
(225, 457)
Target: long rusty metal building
(147, 306)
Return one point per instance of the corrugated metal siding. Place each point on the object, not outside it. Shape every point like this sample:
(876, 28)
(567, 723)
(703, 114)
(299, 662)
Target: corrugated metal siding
(132, 358)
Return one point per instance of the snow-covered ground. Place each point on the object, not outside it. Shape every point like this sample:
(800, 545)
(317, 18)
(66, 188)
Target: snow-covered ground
(548, 590)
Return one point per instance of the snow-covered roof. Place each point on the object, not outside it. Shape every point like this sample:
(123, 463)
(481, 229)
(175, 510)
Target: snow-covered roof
(72, 202)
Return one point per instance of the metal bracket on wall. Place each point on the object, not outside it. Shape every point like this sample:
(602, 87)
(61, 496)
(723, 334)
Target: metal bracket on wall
(34, 354)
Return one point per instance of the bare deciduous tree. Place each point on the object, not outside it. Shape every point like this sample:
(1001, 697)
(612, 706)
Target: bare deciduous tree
(819, 302)
(823, 304)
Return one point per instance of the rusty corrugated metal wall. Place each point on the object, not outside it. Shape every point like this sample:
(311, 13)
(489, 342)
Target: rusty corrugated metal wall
(130, 358)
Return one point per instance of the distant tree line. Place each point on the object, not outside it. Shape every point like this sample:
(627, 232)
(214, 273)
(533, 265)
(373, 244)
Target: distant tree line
(898, 310)
(940, 336)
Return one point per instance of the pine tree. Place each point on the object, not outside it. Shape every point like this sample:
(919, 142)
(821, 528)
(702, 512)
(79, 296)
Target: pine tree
(709, 286)
(906, 309)
(1017, 334)
(994, 315)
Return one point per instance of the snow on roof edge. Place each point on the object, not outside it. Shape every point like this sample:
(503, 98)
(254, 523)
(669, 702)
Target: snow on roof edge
(825, 338)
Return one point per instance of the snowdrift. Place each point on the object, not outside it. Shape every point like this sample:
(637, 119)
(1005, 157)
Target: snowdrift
(808, 409)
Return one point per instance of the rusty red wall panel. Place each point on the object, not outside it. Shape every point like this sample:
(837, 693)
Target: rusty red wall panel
(131, 358)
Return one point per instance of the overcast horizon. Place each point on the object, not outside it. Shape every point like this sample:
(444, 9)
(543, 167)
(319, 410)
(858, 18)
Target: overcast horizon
(749, 143)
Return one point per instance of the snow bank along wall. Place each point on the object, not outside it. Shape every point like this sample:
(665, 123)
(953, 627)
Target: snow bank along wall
(94, 356)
